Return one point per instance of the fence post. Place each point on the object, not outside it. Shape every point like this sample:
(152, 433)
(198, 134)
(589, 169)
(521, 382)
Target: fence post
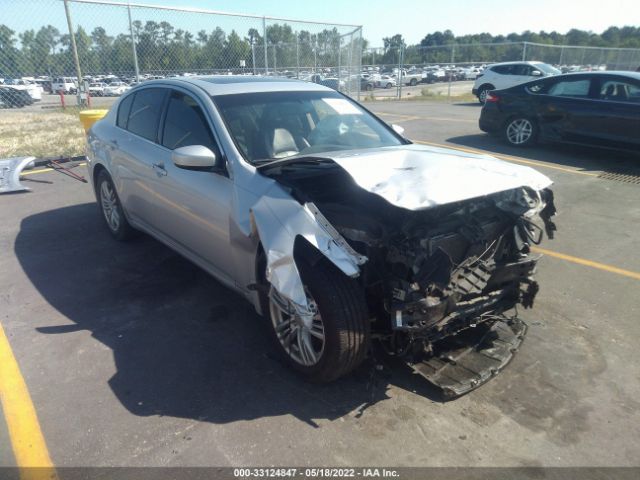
(453, 56)
(524, 51)
(133, 44)
(297, 56)
(253, 54)
(400, 65)
(264, 41)
(74, 49)
(339, 60)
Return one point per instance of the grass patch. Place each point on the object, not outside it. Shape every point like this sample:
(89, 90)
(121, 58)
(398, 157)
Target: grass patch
(427, 94)
(41, 134)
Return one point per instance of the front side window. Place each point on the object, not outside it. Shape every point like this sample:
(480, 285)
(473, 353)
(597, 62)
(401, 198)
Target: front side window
(272, 125)
(570, 88)
(144, 115)
(548, 69)
(522, 69)
(620, 91)
(186, 124)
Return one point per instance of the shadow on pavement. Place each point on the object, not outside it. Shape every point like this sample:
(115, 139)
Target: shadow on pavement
(183, 345)
(581, 157)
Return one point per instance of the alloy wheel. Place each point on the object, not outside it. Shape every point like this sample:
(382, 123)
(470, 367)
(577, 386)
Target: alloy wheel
(519, 131)
(109, 202)
(303, 343)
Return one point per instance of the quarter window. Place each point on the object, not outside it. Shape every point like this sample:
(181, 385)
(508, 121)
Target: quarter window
(123, 111)
(186, 124)
(144, 115)
(620, 91)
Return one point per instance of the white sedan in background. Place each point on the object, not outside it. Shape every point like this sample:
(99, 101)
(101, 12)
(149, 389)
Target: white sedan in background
(97, 89)
(33, 89)
(115, 89)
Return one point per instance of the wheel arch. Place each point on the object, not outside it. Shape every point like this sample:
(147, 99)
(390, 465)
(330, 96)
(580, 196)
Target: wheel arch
(486, 86)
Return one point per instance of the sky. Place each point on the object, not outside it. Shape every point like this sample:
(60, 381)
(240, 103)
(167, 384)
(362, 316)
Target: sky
(379, 18)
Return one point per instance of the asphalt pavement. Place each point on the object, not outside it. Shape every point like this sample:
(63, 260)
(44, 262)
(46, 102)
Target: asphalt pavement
(132, 356)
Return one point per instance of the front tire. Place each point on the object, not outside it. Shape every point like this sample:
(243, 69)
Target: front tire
(520, 131)
(413, 82)
(337, 339)
(111, 208)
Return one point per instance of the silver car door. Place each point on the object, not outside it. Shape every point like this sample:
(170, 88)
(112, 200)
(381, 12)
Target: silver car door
(137, 151)
(192, 207)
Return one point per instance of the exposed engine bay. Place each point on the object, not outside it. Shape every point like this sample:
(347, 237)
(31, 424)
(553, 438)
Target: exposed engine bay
(434, 273)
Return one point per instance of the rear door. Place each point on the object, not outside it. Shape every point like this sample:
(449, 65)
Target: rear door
(137, 150)
(618, 111)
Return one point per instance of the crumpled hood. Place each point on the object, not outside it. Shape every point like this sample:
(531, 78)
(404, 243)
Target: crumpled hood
(416, 177)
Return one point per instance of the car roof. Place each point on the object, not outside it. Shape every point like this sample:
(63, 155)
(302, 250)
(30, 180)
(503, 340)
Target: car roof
(232, 84)
(528, 62)
(599, 73)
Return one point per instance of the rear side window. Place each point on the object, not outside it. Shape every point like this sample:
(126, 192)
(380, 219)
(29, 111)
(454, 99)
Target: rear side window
(503, 69)
(570, 88)
(186, 124)
(123, 111)
(620, 91)
(144, 115)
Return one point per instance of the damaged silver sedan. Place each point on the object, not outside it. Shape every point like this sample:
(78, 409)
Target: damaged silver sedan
(337, 228)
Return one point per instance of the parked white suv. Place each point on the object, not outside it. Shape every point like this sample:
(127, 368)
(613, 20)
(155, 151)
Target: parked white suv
(66, 84)
(508, 74)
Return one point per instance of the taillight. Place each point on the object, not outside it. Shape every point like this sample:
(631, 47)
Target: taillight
(492, 98)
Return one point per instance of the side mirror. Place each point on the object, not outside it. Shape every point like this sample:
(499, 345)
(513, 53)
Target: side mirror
(536, 73)
(194, 157)
(398, 129)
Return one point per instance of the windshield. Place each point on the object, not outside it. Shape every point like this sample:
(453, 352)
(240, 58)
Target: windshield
(273, 125)
(548, 69)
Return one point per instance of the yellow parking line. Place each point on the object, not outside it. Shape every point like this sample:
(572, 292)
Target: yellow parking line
(395, 115)
(588, 263)
(406, 118)
(44, 170)
(446, 119)
(27, 441)
(509, 158)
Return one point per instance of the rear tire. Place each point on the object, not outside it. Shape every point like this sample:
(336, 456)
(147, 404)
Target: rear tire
(413, 82)
(111, 209)
(341, 320)
(520, 131)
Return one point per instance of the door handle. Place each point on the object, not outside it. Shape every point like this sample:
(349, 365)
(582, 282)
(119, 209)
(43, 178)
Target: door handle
(159, 168)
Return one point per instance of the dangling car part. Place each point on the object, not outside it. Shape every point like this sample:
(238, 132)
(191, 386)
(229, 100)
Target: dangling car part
(10, 170)
(331, 223)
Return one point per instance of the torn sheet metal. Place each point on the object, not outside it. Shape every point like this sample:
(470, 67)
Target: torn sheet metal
(416, 177)
(10, 170)
(279, 219)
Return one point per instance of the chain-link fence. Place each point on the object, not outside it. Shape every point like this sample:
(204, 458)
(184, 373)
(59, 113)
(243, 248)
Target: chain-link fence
(44, 68)
(134, 42)
(448, 70)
